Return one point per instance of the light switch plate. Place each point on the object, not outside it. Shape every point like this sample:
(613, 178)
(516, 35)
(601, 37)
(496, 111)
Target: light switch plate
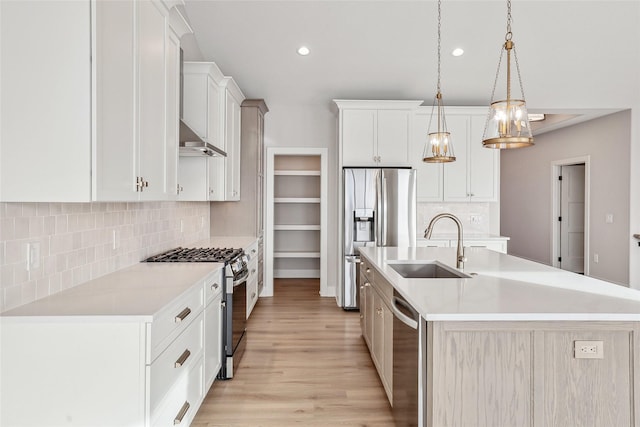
(588, 349)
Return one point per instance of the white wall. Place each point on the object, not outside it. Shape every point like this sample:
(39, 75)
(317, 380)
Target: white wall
(76, 241)
(526, 192)
(313, 125)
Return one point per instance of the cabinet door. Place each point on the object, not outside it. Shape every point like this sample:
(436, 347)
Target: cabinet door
(358, 137)
(455, 173)
(393, 137)
(152, 148)
(215, 135)
(484, 165)
(429, 175)
(217, 178)
(232, 130)
(369, 315)
(212, 340)
(114, 145)
(378, 331)
(192, 171)
(172, 69)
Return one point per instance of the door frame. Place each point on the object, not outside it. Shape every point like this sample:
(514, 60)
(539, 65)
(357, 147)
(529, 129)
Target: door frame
(556, 165)
(269, 213)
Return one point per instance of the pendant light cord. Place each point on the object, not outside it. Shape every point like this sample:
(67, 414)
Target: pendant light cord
(439, 25)
(509, 35)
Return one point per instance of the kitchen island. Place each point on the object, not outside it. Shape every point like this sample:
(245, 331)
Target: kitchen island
(515, 343)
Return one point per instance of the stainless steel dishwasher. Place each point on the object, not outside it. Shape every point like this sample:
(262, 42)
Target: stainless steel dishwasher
(407, 330)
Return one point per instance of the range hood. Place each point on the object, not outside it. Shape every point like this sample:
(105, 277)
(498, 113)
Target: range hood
(192, 145)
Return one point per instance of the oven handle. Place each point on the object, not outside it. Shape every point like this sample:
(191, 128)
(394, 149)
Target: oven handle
(239, 281)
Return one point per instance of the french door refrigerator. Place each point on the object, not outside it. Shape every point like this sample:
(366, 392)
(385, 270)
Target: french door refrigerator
(379, 210)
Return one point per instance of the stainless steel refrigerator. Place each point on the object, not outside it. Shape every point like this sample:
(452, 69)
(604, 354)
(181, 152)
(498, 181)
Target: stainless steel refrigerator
(379, 210)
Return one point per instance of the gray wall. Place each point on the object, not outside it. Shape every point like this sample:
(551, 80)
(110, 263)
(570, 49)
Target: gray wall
(526, 192)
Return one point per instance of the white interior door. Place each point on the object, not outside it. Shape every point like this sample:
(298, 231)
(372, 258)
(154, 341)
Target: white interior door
(572, 201)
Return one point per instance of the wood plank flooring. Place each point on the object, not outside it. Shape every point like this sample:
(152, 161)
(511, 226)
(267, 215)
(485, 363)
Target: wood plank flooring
(305, 365)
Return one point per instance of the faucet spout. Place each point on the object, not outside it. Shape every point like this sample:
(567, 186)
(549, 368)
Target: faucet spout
(460, 259)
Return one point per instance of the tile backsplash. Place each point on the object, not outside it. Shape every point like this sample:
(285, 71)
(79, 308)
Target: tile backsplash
(70, 243)
(475, 218)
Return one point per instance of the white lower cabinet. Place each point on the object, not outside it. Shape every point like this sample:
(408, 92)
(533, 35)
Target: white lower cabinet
(102, 370)
(212, 329)
(252, 279)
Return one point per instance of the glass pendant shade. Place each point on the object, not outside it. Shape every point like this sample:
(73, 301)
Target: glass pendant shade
(439, 146)
(508, 121)
(508, 125)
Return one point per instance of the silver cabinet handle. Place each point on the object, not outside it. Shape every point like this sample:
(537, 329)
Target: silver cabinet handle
(253, 270)
(253, 295)
(367, 284)
(214, 286)
(253, 251)
(182, 315)
(368, 270)
(181, 414)
(183, 358)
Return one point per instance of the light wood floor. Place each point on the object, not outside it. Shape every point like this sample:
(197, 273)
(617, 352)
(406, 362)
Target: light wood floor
(305, 365)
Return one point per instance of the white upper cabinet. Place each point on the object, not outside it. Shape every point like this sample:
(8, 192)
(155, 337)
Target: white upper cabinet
(212, 110)
(375, 133)
(474, 176)
(429, 175)
(105, 101)
(232, 132)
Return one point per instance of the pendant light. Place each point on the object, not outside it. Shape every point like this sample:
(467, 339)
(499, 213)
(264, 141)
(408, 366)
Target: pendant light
(508, 122)
(439, 147)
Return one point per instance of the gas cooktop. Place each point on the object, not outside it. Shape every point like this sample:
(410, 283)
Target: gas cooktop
(196, 255)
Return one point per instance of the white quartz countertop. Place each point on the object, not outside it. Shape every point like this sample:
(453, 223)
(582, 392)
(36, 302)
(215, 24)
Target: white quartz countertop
(225, 242)
(135, 293)
(505, 288)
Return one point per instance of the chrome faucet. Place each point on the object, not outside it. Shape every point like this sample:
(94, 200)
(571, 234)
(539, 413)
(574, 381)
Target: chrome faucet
(427, 235)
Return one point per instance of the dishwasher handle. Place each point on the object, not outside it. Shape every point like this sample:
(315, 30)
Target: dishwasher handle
(412, 323)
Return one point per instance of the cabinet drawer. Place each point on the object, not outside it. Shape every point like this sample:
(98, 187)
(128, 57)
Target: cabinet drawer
(213, 285)
(172, 320)
(181, 403)
(252, 251)
(367, 272)
(175, 360)
(384, 288)
(432, 243)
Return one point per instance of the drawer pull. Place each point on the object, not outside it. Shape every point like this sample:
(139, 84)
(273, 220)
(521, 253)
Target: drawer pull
(183, 315)
(181, 414)
(183, 358)
(253, 295)
(253, 251)
(253, 271)
(214, 286)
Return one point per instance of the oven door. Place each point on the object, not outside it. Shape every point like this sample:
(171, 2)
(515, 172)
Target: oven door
(239, 316)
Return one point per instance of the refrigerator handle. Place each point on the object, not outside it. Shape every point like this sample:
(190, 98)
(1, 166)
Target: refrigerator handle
(378, 217)
(385, 213)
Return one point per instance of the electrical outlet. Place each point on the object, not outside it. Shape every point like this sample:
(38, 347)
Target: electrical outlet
(596, 258)
(608, 219)
(588, 349)
(33, 256)
(475, 219)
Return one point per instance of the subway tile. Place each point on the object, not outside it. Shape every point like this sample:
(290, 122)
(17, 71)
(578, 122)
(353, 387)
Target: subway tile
(61, 224)
(36, 226)
(12, 297)
(13, 210)
(42, 288)
(43, 209)
(28, 292)
(7, 228)
(21, 228)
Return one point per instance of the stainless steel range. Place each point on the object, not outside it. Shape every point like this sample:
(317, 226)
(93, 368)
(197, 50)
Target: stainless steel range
(234, 324)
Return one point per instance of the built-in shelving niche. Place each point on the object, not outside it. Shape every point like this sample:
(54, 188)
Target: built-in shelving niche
(296, 191)
(297, 187)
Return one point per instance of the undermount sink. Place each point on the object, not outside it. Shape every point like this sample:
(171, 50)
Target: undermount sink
(426, 270)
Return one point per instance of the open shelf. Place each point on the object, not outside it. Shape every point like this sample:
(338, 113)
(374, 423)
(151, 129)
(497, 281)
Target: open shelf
(296, 254)
(296, 200)
(297, 173)
(296, 227)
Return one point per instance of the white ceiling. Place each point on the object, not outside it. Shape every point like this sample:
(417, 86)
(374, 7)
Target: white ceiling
(573, 55)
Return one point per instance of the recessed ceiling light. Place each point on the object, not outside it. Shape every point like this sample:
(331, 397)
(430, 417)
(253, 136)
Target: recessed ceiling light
(457, 52)
(303, 50)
